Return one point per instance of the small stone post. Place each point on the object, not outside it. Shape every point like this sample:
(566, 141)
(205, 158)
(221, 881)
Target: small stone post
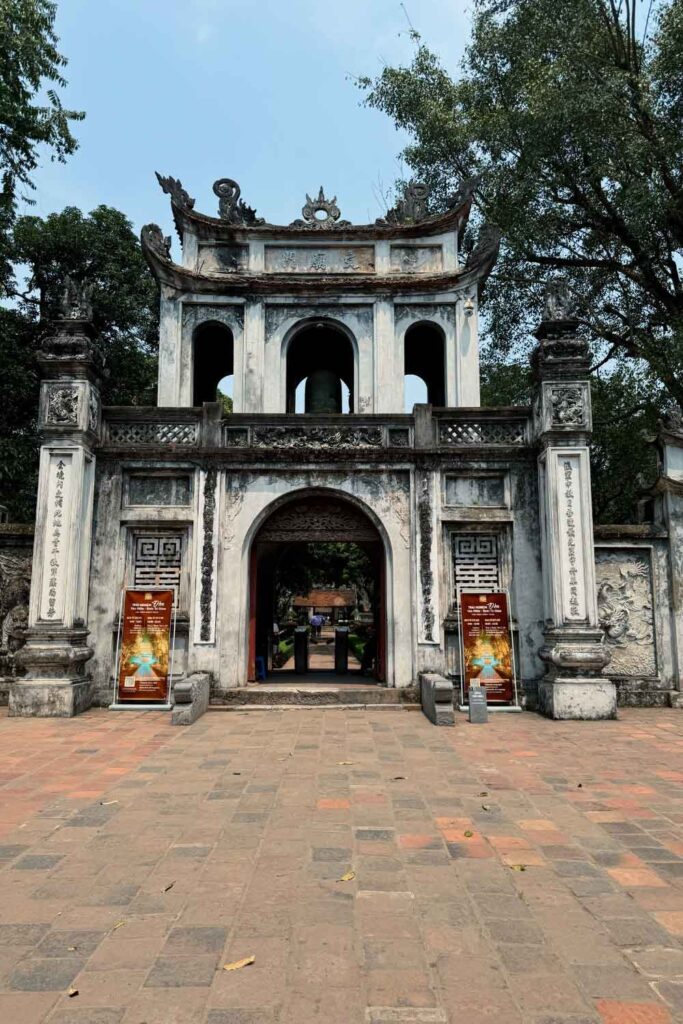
(56, 651)
(574, 650)
(670, 487)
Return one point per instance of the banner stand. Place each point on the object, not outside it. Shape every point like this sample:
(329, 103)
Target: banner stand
(140, 705)
(492, 706)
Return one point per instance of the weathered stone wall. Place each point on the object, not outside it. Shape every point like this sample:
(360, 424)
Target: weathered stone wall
(16, 555)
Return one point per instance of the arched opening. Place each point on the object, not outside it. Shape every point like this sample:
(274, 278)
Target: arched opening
(424, 350)
(317, 557)
(320, 355)
(213, 358)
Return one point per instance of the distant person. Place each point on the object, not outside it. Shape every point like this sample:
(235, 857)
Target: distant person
(367, 662)
(316, 623)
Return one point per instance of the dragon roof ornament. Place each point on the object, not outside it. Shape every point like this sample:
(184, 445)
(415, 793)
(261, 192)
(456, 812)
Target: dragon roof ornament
(231, 208)
(173, 188)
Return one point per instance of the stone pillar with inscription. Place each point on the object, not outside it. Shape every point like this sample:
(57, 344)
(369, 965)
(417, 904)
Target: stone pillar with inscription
(574, 651)
(55, 682)
(670, 488)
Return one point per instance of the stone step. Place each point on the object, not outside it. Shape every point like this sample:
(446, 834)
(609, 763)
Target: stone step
(311, 696)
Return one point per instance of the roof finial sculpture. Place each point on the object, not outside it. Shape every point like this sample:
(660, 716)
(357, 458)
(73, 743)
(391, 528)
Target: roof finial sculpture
(231, 208)
(312, 213)
(559, 301)
(173, 188)
(411, 208)
(76, 299)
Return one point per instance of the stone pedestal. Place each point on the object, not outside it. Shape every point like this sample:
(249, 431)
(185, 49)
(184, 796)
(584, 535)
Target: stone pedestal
(573, 686)
(56, 651)
(574, 651)
(55, 684)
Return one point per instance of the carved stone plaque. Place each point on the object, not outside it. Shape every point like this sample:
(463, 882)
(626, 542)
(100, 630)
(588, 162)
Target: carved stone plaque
(625, 610)
(222, 259)
(416, 259)
(327, 259)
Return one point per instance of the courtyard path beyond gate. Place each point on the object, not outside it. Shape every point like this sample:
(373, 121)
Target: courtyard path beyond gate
(376, 868)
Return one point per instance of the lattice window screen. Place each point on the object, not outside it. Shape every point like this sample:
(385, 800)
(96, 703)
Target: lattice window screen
(475, 562)
(158, 562)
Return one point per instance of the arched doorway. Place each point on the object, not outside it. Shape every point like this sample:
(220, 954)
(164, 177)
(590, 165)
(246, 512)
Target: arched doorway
(320, 370)
(343, 533)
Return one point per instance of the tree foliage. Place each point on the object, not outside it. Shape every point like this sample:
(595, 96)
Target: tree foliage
(571, 119)
(100, 248)
(32, 118)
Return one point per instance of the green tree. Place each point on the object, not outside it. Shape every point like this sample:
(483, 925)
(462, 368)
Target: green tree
(30, 66)
(571, 120)
(100, 248)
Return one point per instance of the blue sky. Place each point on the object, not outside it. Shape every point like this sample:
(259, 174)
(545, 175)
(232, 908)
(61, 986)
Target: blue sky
(256, 91)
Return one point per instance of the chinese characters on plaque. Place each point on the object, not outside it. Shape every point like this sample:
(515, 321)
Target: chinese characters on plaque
(145, 649)
(486, 646)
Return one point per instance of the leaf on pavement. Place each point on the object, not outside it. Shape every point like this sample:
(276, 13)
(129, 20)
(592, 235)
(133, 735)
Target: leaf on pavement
(348, 877)
(237, 964)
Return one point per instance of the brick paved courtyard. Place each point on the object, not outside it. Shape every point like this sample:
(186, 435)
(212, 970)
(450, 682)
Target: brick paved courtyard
(525, 871)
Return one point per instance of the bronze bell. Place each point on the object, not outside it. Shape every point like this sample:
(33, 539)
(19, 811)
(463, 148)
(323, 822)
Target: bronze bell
(323, 392)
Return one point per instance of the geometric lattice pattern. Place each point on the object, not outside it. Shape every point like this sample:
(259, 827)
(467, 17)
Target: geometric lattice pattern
(153, 433)
(158, 561)
(483, 432)
(475, 562)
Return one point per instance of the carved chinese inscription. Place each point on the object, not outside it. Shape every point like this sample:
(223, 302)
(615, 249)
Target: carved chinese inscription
(424, 514)
(625, 610)
(575, 608)
(52, 606)
(357, 259)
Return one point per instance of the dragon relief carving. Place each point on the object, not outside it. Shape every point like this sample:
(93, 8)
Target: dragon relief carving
(93, 410)
(313, 207)
(567, 406)
(625, 611)
(208, 520)
(62, 405)
(317, 437)
(15, 586)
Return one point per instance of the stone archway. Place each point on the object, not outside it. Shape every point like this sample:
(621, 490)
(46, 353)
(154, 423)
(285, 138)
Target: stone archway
(305, 519)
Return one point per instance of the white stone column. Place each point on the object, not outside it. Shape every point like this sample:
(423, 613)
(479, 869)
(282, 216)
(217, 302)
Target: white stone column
(574, 650)
(467, 384)
(253, 366)
(55, 653)
(170, 329)
(388, 388)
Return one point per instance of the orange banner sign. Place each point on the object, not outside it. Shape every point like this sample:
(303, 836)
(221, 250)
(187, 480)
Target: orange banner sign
(144, 664)
(487, 646)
